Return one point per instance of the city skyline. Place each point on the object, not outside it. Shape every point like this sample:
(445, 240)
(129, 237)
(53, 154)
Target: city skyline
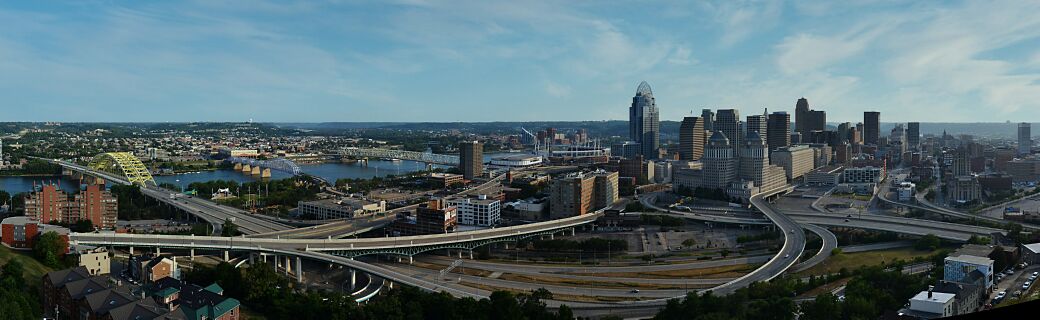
(432, 61)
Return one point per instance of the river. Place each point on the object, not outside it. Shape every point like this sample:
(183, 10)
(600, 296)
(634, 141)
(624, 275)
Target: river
(329, 171)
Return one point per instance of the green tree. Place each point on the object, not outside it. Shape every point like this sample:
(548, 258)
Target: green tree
(504, 306)
(928, 242)
(82, 225)
(49, 249)
(228, 229)
(825, 307)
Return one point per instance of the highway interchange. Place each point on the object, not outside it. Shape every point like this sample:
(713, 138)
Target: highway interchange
(323, 243)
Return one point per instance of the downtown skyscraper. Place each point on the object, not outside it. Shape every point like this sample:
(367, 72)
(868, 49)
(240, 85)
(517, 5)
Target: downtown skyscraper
(1025, 140)
(807, 120)
(871, 127)
(644, 126)
(913, 135)
(692, 138)
(778, 130)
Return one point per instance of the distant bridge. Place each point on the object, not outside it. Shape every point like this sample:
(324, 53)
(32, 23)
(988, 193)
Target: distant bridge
(263, 167)
(124, 165)
(401, 154)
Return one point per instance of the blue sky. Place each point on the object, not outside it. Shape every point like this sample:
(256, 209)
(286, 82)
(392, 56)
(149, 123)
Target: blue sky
(419, 60)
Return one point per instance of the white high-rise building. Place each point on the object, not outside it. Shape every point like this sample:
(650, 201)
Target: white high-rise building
(481, 211)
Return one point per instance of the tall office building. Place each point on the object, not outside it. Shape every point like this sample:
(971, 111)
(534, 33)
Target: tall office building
(871, 127)
(913, 135)
(757, 123)
(808, 120)
(709, 120)
(727, 121)
(1025, 138)
(720, 167)
(801, 114)
(845, 132)
(778, 130)
(471, 159)
(644, 127)
(571, 195)
(691, 139)
(755, 167)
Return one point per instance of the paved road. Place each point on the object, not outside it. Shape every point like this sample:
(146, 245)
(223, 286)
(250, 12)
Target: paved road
(434, 276)
(830, 242)
(207, 210)
(920, 227)
(928, 206)
(343, 245)
(550, 269)
(794, 244)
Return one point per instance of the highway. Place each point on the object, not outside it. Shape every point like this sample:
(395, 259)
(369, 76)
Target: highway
(830, 242)
(794, 244)
(213, 213)
(919, 227)
(928, 206)
(551, 269)
(344, 245)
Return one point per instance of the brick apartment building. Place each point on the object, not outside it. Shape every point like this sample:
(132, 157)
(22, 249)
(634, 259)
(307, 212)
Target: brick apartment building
(94, 203)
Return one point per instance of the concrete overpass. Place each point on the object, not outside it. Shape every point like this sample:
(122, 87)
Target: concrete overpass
(928, 206)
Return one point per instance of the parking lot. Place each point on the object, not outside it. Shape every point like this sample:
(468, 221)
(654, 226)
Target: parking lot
(1012, 284)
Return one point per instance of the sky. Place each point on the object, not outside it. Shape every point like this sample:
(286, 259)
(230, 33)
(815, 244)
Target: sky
(448, 61)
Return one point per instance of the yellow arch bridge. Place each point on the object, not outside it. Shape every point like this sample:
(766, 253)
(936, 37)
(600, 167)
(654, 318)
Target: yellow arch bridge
(123, 164)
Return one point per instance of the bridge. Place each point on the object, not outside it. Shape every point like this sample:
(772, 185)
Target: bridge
(342, 251)
(214, 214)
(263, 168)
(432, 158)
(125, 165)
(930, 207)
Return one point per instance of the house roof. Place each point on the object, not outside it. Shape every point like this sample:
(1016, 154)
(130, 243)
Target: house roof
(81, 288)
(142, 309)
(61, 277)
(102, 302)
(196, 302)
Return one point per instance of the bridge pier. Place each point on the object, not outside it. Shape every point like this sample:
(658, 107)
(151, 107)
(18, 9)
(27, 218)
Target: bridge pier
(131, 250)
(226, 258)
(410, 260)
(471, 254)
(192, 254)
(299, 270)
(157, 251)
(353, 279)
(252, 258)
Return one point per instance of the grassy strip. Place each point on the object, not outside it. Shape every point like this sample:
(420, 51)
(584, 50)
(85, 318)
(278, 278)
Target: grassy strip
(731, 271)
(851, 261)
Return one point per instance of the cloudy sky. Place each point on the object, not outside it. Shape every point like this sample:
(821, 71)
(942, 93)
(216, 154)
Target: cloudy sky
(433, 60)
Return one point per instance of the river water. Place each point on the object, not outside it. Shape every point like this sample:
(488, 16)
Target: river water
(329, 171)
